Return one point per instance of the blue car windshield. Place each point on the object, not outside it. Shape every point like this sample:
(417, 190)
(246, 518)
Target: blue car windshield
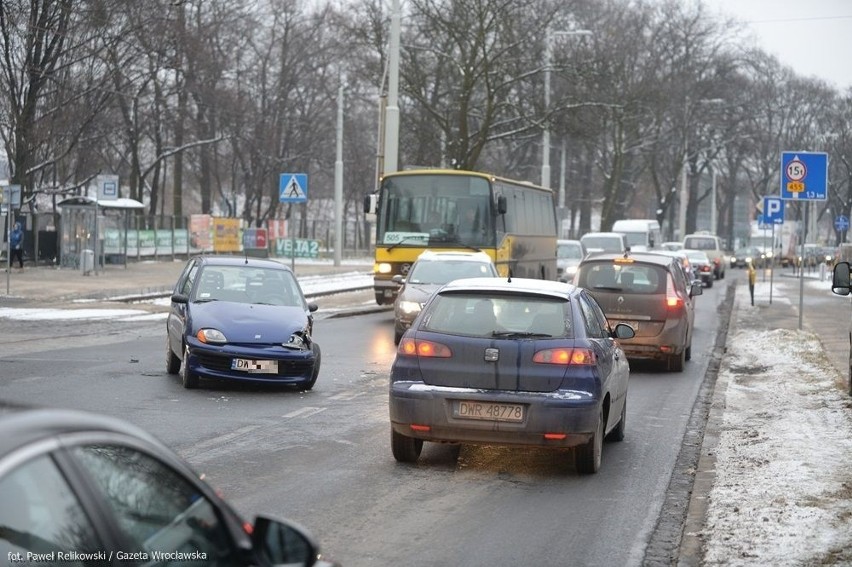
(248, 284)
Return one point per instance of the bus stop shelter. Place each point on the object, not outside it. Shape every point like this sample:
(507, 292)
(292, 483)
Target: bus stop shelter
(84, 223)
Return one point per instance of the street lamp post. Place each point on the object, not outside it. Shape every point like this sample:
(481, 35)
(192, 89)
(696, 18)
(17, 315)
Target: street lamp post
(545, 143)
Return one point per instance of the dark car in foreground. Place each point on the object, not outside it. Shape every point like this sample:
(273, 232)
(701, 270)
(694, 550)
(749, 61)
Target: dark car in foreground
(516, 362)
(241, 319)
(83, 489)
(650, 293)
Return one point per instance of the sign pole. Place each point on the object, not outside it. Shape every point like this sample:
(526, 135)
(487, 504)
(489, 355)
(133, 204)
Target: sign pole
(771, 265)
(8, 245)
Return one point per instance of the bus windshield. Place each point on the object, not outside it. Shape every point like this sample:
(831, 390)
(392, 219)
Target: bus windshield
(417, 210)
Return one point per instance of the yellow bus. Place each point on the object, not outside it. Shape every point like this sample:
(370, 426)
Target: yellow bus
(514, 222)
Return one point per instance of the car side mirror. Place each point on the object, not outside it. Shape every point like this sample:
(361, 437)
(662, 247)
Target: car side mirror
(180, 298)
(697, 288)
(502, 207)
(371, 203)
(398, 278)
(840, 281)
(623, 331)
(312, 307)
(283, 543)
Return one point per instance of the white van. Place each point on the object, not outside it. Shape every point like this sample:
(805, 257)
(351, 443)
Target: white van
(642, 234)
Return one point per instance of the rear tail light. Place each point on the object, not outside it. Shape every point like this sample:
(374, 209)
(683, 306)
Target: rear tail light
(673, 298)
(705, 268)
(424, 349)
(565, 356)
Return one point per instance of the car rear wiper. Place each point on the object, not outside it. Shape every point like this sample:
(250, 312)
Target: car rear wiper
(519, 334)
(608, 287)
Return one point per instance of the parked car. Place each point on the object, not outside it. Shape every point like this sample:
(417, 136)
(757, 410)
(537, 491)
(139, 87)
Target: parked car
(520, 362)
(78, 487)
(605, 242)
(569, 253)
(427, 274)
(649, 292)
(711, 245)
(241, 319)
(701, 265)
(742, 256)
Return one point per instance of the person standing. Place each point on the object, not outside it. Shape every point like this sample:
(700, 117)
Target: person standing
(752, 279)
(17, 244)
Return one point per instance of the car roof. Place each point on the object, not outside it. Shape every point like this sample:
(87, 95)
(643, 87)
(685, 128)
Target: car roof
(661, 259)
(454, 255)
(22, 425)
(511, 285)
(222, 260)
(618, 234)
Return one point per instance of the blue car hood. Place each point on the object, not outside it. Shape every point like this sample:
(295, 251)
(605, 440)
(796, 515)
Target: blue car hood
(245, 323)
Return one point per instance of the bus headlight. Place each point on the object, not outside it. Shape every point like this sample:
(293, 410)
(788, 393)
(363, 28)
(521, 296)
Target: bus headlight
(382, 268)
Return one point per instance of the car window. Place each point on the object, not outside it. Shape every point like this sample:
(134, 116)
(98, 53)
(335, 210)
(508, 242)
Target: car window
(570, 251)
(156, 507)
(482, 316)
(40, 514)
(633, 278)
(593, 317)
(700, 243)
(441, 272)
(249, 284)
(186, 287)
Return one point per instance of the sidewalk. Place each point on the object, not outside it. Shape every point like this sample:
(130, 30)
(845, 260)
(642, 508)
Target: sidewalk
(773, 485)
(52, 285)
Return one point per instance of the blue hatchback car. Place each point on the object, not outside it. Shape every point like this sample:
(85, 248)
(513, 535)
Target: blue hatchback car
(510, 362)
(241, 319)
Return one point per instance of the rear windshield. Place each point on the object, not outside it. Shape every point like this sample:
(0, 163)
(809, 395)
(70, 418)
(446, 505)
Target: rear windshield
(486, 316)
(570, 251)
(700, 243)
(605, 243)
(443, 271)
(625, 278)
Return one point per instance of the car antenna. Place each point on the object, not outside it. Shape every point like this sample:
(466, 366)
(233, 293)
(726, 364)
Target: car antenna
(246, 254)
(510, 276)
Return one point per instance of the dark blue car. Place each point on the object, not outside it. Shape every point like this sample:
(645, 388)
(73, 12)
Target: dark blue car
(241, 319)
(510, 362)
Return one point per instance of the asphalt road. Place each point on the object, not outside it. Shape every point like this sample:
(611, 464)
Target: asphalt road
(323, 457)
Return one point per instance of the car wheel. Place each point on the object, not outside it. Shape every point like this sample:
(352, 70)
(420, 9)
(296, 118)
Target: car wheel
(405, 449)
(187, 376)
(676, 361)
(688, 353)
(587, 458)
(617, 434)
(172, 360)
(710, 283)
(315, 374)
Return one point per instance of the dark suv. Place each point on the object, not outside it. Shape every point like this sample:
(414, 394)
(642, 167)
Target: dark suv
(650, 293)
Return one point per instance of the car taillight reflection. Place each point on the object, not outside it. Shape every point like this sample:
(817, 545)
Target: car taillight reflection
(424, 349)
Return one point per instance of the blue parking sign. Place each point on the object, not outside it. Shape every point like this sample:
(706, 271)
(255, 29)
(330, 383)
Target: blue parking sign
(773, 210)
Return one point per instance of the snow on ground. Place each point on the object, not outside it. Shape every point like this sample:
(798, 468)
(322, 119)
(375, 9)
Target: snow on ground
(783, 488)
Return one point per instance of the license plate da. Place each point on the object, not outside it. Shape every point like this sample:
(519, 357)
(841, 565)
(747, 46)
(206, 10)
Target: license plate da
(489, 411)
(255, 366)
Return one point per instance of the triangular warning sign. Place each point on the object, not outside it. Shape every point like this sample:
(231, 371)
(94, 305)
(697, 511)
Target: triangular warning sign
(294, 190)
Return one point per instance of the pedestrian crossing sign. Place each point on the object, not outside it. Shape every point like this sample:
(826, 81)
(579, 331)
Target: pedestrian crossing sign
(293, 188)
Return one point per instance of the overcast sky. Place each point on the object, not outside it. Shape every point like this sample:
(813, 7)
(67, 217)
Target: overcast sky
(814, 37)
